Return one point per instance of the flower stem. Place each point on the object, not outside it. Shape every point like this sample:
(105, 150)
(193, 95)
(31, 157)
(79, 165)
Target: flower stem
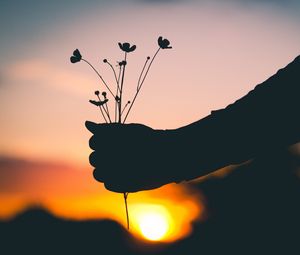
(102, 113)
(126, 207)
(142, 73)
(106, 111)
(117, 94)
(139, 86)
(121, 89)
(98, 76)
(114, 71)
(125, 107)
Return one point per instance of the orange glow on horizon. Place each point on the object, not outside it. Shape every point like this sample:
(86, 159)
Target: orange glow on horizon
(173, 207)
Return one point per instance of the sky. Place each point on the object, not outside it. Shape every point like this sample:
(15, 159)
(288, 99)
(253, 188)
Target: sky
(221, 50)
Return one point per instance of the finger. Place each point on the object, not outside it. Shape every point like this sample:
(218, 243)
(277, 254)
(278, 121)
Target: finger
(93, 159)
(94, 143)
(121, 187)
(115, 188)
(97, 175)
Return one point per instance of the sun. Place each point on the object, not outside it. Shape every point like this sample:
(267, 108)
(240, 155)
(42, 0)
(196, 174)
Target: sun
(153, 226)
(152, 222)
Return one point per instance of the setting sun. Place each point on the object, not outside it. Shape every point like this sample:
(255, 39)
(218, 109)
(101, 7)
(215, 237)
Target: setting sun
(153, 226)
(152, 221)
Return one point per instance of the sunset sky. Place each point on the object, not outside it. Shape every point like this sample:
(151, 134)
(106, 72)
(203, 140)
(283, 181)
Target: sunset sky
(221, 50)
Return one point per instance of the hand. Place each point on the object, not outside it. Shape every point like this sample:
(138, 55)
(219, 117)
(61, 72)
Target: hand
(131, 157)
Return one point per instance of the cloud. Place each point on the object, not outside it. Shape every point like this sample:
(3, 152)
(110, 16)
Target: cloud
(40, 179)
(46, 74)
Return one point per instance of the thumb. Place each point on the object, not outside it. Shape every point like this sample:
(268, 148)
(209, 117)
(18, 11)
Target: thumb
(91, 126)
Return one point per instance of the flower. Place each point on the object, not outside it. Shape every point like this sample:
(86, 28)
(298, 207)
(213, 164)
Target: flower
(76, 56)
(98, 103)
(126, 47)
(164, 43)
(122, 63)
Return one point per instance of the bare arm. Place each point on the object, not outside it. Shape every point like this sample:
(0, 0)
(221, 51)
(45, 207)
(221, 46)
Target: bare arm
(267, 117)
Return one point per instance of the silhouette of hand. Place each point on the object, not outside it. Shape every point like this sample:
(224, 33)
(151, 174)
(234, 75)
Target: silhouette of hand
(131, 157)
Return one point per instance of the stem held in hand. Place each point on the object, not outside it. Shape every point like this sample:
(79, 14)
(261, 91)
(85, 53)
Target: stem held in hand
(126, 207)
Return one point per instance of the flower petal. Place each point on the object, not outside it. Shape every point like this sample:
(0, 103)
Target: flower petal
(120, 45)
(132, 48)
(160, 41)
(74, 59)
(166, 42)
(77, 54)
(126, 46)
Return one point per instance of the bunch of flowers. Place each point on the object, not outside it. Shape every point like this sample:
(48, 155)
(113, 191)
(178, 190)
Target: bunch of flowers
(121, 111)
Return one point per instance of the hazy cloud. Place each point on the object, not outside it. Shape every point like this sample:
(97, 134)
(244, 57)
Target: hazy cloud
(37, 178)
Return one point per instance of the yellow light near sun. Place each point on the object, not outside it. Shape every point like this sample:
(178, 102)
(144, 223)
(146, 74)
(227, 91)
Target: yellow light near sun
(153, 226)
(152, 221)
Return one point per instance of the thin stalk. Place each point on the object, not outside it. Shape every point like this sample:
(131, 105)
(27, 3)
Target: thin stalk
(125, 107)
(116, 105)
(142, 73)
(117, 94)
(119, 75)
(121, 89)
(141, 84)
(117, 82)
(106, 111)
(98, 75)
(102, 113)
(114, 71)
(149, 68)
(126, 207)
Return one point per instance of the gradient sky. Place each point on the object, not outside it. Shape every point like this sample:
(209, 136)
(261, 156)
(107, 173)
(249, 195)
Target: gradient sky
(221, 50)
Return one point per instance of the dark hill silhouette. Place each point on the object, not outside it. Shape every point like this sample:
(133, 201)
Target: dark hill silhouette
(254, 210)
(36, 231)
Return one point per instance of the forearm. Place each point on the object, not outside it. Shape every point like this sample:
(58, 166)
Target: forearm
(265, 118)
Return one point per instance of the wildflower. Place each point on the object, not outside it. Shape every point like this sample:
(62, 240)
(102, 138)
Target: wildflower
(126, 47)
(98, 103)
(122, 63)
(76, 56)
(164, 43)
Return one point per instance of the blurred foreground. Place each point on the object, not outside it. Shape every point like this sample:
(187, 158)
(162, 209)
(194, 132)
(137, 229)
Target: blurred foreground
(254, 209)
